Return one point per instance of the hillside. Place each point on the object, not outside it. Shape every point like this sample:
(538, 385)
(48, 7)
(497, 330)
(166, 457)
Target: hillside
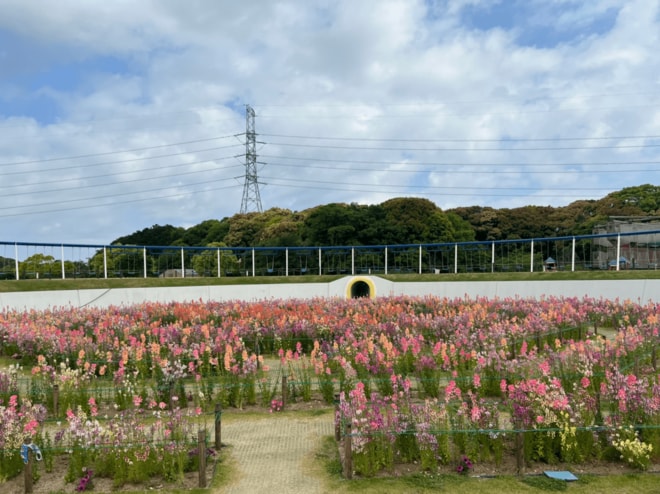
(403, 221)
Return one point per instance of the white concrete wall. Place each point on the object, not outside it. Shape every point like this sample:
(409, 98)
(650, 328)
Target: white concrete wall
(642, 291)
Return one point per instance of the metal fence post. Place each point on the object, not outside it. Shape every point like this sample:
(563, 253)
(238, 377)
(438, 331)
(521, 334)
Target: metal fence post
(201, 445)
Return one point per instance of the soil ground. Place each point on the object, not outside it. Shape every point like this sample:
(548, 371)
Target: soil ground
(274, 452)
(268, 453)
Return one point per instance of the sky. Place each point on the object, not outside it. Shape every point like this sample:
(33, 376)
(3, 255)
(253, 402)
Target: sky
(117, 116)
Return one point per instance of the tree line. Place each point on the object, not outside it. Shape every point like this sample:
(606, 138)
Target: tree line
(401, 220)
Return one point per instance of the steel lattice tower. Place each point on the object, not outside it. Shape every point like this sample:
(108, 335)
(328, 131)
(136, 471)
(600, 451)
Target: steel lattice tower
(251, 198)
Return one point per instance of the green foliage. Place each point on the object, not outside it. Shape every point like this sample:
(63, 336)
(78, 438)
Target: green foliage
(400, 220)
(640, 200)
(11, 464)
(155, 235)
(376, 455)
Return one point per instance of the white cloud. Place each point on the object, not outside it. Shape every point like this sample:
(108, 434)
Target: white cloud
(157, 79)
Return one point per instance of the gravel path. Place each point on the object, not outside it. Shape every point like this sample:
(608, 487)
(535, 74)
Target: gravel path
(271, 453)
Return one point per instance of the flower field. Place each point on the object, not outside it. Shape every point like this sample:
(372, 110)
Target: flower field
(420, 380)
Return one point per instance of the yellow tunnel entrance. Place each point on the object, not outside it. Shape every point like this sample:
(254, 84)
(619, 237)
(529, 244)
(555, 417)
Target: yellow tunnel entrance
(361, 287)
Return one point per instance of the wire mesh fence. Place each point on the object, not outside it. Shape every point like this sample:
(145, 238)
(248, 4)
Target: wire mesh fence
(602, 251)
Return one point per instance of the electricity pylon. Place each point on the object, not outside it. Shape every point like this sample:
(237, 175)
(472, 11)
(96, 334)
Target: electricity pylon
(251, 198)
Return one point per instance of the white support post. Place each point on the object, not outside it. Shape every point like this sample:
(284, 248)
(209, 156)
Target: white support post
(286, 262)
(253, 263)
(573, 255)
(352, 261)
(618, 251)
(62, 262)
(183, 265)
(492, 258)
(420, 259)
(219, 263)
(144, 261)
(16, 260)
(455, 258)
(531, 261)
(320, 267)
(385, 259)
(105, 263)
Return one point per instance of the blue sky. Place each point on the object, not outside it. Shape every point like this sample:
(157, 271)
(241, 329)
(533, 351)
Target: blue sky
(117, 116)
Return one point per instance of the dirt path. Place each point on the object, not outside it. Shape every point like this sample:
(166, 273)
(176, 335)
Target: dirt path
(272, 454)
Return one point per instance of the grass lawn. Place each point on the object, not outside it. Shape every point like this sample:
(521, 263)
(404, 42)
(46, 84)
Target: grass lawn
(422, 483)
(82, 284)
(426, 483)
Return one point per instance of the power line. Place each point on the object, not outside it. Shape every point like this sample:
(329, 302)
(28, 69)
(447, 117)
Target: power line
(93, 155)
(463, 114)
(430, 163)
(116, 162)
(459, 172)
(127, 172)
(503, 140)
(342, 187)
(95, 198)
(113, 184)
(363, 148)
(105, 205)
(450, 187)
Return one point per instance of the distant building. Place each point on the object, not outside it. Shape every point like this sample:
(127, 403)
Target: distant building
(639, 251)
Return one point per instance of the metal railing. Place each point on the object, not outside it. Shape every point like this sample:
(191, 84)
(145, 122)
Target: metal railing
(613, 251)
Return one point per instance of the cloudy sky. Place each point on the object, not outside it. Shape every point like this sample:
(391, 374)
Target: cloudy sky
(116, 116)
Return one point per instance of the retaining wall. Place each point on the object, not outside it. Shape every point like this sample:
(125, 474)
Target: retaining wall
(642, 291)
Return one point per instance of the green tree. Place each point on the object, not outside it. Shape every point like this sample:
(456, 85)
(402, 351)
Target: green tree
(251, 229)
(7, 268)
(463, 231)
(416, 220)
(205, 263)
(155, 235)
(38, 266)
(331, 224)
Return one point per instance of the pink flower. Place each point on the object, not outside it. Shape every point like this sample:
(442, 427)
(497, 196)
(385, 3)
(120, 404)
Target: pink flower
(585, 382)
(137, 401)
(30, 428)
(544, 367)
(450, 389)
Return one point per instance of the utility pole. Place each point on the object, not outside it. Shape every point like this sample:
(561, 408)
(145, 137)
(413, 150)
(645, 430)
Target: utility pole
(251, 198)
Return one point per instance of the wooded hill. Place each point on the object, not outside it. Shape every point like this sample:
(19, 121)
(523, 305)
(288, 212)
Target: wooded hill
(402, 221)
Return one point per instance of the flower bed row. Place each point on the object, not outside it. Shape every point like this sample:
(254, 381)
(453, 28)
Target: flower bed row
(535, 421)
(542, 365)
(129, 446)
